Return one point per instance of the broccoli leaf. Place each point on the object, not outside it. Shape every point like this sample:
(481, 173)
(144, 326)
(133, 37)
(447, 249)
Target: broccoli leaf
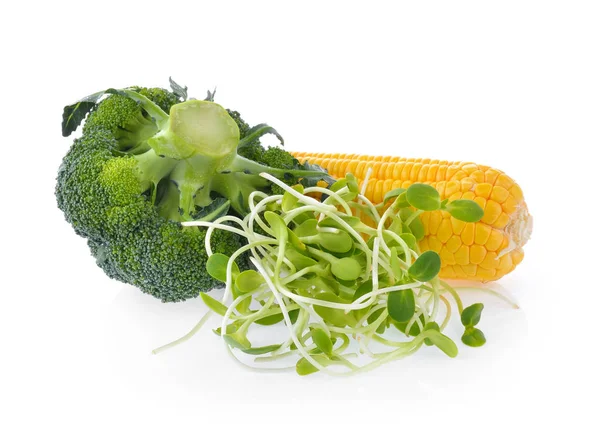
(178, 90)
(258, 131)
(313, 180)
(74, 113)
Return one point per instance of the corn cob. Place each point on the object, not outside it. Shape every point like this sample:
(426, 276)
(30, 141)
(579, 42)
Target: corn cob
(482, 251)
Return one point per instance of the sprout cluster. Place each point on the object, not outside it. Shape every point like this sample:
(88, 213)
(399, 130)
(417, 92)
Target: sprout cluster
(345, 276)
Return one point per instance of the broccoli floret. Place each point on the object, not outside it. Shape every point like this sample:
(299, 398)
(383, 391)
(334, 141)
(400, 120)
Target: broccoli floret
(146, 161)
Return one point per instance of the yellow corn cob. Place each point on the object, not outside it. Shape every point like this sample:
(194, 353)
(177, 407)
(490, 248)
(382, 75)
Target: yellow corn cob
(485, 250)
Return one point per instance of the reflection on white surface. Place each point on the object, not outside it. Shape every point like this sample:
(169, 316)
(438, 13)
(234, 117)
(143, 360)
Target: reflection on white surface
(139, 323)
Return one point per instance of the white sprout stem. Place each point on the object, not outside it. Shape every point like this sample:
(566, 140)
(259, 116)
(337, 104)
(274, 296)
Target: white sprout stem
(252, 197)
(436, 298)
(335, 195)
(372, 207)
(254, 368)
(408, 252)
(298, 211)
(493, 292)
(319, 321)
(286, 317)
(187, 336)
(371, 311)
(422, 306)
(388, 289)
(452, 292)
(301, 197)
(365, 182)
(448, 312)
(230, 262)
(363, 329)
(257, 209)
(230, 310)
(380, 227)
(413, 217)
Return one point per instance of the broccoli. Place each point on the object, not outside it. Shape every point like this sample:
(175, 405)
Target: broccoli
(149, 159)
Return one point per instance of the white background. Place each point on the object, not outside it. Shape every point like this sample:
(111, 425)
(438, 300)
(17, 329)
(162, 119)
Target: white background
(513, 84)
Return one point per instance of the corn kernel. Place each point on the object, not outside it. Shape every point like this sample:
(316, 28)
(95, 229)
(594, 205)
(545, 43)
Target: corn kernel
(510, 205)
(495, 240)
(447, 272)
(483, 190)
(499, 194)
(453, 243)
(435, 220)
(478, 176)
(516, 192)
(482, 233)
(477, 253)
(461, 256)
(460, 273)
(447, 256)
(491, 212)
(468, 234)
(445, 230)
(466, 184)
(504, 181)
(502, 221)
(484, 274)
(434, 243)
(470, 269)
(490, 261)
(491, 175)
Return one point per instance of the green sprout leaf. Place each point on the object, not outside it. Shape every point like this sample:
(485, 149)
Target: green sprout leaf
(428, 326)
(393, 194)
(442, 342)
(395, 263)
(339, 184)
(473, 337)
(346, 269)
(417, 229)
(401, 305)
(414, 328)
(248, 281)
(465, 210)
(471, 315)
(299, 260)
(308, 228)
(409, 239)
(426, 267)
(332, 315)
(295, 241)
(352, 183)
(276, 318)
(261, 350)
(338, 243)
(278, 226)
(304, 367)
(322, 341)
(332, 223)
(238, 340)
(216, 267)
(423, 197)
(288, 202)
(213, 304)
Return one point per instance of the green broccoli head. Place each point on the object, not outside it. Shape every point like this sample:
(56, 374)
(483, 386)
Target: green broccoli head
(146, 161)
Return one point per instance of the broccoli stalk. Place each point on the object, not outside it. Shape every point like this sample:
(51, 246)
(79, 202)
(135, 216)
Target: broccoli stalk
(195, 146)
